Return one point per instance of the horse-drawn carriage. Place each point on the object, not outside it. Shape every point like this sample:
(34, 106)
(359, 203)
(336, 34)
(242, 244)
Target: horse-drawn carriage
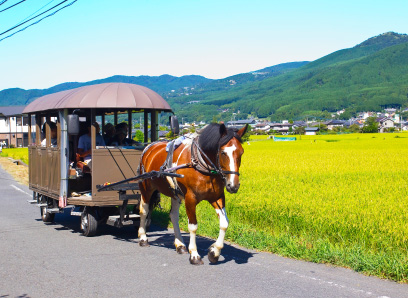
(122, 183)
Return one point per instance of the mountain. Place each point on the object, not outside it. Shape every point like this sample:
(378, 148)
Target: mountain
(166, 85)
(160, 84)
(369, 76)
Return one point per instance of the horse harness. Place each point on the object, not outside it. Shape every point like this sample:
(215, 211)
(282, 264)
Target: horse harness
(199, 161)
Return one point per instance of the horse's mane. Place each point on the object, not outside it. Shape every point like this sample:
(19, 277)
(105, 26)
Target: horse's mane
(215, 136)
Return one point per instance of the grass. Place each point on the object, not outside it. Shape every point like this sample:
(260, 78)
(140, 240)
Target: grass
(338, 199)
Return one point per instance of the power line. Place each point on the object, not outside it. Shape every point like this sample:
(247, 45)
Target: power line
(51, 14)
(33, 17)
(12, 5)
(36, 11)
(2, 2)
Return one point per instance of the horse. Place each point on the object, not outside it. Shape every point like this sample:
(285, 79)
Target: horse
(209, 162)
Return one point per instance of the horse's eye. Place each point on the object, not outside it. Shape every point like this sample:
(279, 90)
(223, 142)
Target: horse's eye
(223, 153)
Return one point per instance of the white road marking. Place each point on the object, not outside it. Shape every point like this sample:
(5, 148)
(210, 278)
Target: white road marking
(333, 284)
(20, 190)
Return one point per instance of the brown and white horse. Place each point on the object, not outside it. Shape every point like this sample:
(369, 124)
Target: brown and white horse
(209, 163)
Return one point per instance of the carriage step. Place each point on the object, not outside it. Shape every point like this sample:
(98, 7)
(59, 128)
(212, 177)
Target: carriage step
(53, 210)
(114, 220)
(32, 201)
(76, 213)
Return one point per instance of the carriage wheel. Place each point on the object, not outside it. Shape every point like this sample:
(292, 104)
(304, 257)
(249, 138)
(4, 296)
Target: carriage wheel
(46, 216)
(89, 224)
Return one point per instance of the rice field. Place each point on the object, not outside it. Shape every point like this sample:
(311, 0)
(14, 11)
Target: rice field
(339, 199)
(16, 153)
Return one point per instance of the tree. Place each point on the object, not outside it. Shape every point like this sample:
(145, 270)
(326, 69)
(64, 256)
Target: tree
(354, 128)
(370, 125)
(299, 130)
(139, 136)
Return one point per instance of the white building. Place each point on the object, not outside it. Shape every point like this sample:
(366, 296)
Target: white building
(13, 126)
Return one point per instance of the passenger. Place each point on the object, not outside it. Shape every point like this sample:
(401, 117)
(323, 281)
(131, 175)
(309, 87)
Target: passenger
(85, 145)
(53, 128)
(109, 133)
(120, 138)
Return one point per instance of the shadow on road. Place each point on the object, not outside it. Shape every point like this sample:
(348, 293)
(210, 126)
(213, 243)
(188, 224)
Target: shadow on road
(158, 236)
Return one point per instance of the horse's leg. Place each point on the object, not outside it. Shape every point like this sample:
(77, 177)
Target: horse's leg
(191, 204)
(174, 216)
(143, 212)
(215, 249)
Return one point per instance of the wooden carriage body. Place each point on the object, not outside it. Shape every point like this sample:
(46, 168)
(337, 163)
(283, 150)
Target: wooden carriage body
(55, 181)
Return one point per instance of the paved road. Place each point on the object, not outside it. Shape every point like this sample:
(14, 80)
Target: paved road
(54, 260)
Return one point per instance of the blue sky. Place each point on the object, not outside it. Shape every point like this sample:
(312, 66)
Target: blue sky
(96, 39)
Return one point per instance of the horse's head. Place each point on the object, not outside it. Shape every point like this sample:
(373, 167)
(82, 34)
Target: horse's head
(230, 157)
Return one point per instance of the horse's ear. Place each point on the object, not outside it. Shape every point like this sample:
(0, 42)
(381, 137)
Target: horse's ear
(223, 130)
(242, 131)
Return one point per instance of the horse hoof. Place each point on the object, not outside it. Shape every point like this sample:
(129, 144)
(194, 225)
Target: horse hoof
(212, 258)
(181, 250)
(196, 261)
(144, 243)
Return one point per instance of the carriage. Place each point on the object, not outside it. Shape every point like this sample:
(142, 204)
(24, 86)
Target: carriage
(122, 184)
(58, 178)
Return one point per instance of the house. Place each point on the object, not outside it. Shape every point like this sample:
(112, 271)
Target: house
(241, 122)
(13, 126)
(299, 124)
(310, 131)
(281, 127)
(351, 122)
(262, 126)
(335, 123)
(384, 123)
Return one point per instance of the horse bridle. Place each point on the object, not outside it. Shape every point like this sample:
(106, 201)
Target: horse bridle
(212, 168)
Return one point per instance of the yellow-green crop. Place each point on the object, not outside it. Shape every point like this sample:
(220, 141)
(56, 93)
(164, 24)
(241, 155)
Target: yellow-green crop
(340, 199)
(16, 153)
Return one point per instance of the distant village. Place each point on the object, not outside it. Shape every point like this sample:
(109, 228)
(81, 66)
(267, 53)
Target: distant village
(14, 128)
(387, 121)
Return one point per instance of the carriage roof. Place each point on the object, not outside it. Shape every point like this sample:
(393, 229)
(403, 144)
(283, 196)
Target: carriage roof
(104, 96)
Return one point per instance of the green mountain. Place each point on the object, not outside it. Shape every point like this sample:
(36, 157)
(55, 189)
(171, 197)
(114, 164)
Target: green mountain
(369, 76)
(160, 84)
(243, 78)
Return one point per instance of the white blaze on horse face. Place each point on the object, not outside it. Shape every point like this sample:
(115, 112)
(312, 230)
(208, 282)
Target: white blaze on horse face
(229, 151)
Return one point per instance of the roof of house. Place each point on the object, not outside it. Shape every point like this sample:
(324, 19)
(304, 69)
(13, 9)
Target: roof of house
(311, 129)
(239, 122)
(336, 122)
(281, 124)
(299, 123)
(382, 119)
(11, 110)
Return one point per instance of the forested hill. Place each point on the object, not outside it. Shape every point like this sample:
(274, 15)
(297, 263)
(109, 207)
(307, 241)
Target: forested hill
(369, 76)
(166, 85)
(160, 84)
